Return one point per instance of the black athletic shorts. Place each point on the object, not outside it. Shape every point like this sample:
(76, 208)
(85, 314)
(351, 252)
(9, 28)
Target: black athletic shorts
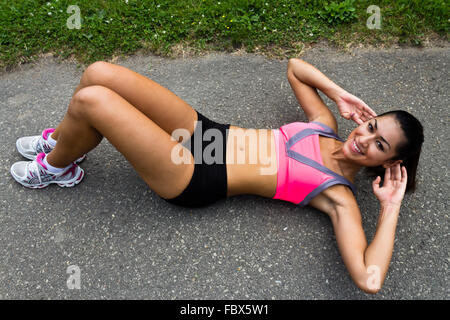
(209, 181)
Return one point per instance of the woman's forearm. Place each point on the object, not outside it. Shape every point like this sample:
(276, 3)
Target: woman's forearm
(311, 76)
(378, 254)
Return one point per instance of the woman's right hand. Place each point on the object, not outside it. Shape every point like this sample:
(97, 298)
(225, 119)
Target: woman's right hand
(394, 186)
(352, 108)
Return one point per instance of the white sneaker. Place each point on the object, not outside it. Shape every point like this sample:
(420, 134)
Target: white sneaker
(31, 146)
(34, 174)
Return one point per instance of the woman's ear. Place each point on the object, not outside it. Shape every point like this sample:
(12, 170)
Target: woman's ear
(391, 163)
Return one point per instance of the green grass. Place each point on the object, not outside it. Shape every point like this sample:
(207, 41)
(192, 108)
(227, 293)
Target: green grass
(29, 28)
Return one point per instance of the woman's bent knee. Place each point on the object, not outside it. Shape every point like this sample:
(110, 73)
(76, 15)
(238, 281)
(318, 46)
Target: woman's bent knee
(87, 98)
(97, 73)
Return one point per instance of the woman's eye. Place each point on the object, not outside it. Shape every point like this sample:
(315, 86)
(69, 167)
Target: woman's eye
(380, 145)
(370, 127)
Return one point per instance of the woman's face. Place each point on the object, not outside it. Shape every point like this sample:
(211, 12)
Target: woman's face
(374, 142)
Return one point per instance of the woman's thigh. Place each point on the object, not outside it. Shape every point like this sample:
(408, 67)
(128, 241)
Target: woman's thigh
(158, 103)
(147, 147)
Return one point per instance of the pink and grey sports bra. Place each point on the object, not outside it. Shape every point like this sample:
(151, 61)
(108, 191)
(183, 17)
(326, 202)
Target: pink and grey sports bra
(301, 173)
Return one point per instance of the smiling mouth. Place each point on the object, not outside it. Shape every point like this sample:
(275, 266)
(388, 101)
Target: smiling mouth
(355, 148)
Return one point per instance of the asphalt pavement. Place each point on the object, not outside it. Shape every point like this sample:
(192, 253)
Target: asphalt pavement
(124, 242)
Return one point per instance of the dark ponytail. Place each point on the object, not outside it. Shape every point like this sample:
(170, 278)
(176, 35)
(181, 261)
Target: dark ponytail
(408, 152)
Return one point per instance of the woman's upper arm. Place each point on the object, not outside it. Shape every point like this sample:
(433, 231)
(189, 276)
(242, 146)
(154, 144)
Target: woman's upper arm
(351, 240)
(310, 101)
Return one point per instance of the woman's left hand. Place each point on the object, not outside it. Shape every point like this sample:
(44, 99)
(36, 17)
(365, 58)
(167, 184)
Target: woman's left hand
(352, 108)
(394, 186)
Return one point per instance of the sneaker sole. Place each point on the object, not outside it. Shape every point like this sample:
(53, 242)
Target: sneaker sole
(68, 184)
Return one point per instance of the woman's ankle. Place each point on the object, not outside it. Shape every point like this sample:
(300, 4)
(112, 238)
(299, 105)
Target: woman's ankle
(51, 140)
(52, 168)
(49, 159)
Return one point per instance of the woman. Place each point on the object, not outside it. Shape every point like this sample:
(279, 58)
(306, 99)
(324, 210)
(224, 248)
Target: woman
(313, 165)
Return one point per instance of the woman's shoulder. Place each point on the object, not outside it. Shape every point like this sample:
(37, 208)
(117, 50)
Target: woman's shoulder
(322, 123)
(329, 122)
(300, 125)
